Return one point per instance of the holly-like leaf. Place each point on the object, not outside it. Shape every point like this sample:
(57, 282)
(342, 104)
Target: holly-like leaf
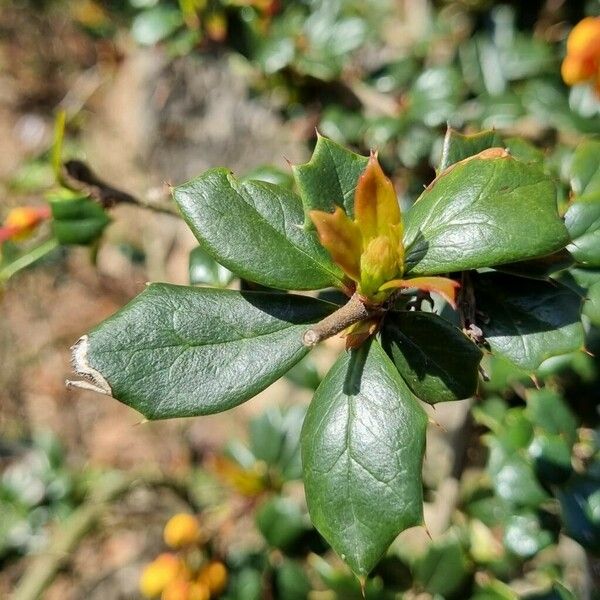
(458, 146)
(437, 361)
(362, 450)
(177, 351)
(483, 212)
(329, 179)
(255, 229)
(583, 222)
(527, 321)
(585, 168)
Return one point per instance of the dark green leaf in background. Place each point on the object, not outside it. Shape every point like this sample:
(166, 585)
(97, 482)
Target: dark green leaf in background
(176, 351)
(362, 449)
(255, 229)
(527, 321)
(203, 269)
(481, 213)
(77, 219)
(437, 361)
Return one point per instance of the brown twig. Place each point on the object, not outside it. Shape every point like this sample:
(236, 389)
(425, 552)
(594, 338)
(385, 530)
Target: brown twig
(353, 311)
(77, 175)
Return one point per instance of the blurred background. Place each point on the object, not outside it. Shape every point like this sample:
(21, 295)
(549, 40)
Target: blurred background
(156, 91)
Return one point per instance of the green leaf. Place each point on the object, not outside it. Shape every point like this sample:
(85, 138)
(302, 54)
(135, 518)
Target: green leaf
(525, 536)
(203, 269)
(585, 168)
(481, 213)
(435, 95)
(551, 455)
(540, 268)
(177, 351)
(255, 229)
(550, 414)
(444, 568)
(437, 361)
(280, 522)
(329, 178)
(513, 477)
(458, 146)
(155, 24)
(583, 222)
(77, 219)
(362, 450)
(527, 321)
(292, 581)
(580, 509)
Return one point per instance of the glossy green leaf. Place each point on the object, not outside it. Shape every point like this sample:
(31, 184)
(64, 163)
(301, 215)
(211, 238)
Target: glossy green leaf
(203, 269)
(527, 321)
(551, 455)
(540, 268)
(329, 178)
(458, 146)
(255, 229)
(291, 581)
(435, 95)
(585, 168)
(583, 222)
(77, 219)
(525, 536)
(550, 414)
(513, 477)
(275, 439)
(437, 361)
(177, 351)
(280, 522)
(481, 213)
(580, 509)
(444, 568)
(362, 450)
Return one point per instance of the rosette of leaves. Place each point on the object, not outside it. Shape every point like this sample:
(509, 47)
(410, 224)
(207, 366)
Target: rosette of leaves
(179, 351)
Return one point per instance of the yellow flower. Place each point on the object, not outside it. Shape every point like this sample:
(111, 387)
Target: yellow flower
(181, 530)
(214, 577)
(582, 61)
(164, 569)
(369, 249)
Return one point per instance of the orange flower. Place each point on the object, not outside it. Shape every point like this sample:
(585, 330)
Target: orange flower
(181, 530)
(164, 569)
(369, 249)
(20, 222)
(582, 61)
(181, 589)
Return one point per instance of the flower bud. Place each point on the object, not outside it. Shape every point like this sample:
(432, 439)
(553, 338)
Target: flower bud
(181, 530)
(378, 264)
(164, 569)
(214, 576)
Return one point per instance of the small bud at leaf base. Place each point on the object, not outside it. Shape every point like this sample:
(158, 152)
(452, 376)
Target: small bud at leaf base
(378, 264)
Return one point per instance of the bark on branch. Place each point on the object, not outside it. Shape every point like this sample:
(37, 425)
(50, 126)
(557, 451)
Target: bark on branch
(353, 311)
(79, 176)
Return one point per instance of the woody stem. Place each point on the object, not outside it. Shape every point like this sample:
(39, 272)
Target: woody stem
(353, 311)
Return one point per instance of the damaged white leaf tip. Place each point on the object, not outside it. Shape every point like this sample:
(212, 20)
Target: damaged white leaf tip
(92, 379)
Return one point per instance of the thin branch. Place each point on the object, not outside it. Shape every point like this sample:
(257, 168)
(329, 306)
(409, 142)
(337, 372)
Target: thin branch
(353, 311)
(77, 175)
